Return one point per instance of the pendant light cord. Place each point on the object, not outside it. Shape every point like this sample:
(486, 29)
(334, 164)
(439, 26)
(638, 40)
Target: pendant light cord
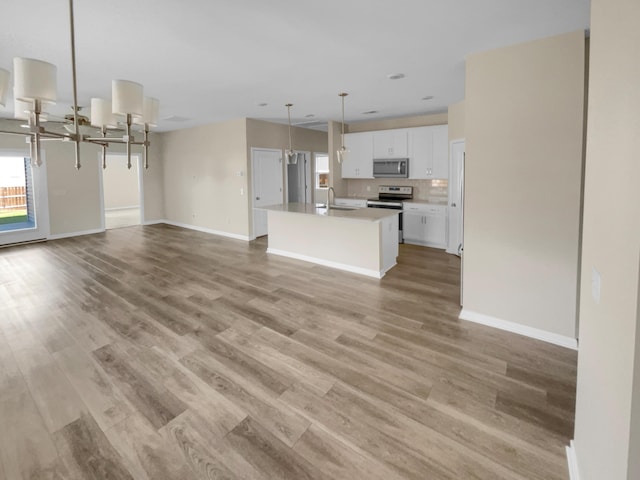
(343, 95)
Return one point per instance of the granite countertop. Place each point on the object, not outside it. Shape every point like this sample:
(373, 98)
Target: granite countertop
(357, 214)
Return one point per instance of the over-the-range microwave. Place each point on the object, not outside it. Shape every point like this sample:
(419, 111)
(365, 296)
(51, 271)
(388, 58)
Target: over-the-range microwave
(391, 168)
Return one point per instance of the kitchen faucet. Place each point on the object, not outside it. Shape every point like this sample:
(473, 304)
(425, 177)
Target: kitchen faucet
(329, 197)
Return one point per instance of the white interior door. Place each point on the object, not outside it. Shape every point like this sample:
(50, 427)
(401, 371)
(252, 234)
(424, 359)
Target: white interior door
(267, 185)
(456, 197)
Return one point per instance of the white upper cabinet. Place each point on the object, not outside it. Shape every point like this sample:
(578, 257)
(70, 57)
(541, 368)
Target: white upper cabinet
(359, 161)
(429, 158)
(391, 144)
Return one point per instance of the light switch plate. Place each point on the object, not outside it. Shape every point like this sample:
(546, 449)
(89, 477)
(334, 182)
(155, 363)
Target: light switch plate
(595, 285)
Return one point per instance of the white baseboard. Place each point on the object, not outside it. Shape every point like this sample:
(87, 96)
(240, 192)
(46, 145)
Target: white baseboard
(59, 236)
(328, 263)
(532, 332)
(207, 230)
(153, 222)
(572, 460)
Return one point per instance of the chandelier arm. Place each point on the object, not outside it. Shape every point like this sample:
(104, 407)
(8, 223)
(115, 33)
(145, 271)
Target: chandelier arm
(75, 84)
(54, 135)
(9, 132)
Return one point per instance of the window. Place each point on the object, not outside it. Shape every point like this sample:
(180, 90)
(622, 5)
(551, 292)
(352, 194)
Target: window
(322, 170)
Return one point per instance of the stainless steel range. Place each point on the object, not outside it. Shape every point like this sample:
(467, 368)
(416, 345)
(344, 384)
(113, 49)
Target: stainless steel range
(390, 196)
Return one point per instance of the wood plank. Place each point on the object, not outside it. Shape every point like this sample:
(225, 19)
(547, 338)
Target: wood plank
(146, 453)
(269, 455)
(362, 435)
(286, 425)
(295, 370)
(104, 401)
(208, 455)
(26, 448)
(87, 453)
(339, 459)
(156, 403)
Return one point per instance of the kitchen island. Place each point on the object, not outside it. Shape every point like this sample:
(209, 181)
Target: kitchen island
(361, 240)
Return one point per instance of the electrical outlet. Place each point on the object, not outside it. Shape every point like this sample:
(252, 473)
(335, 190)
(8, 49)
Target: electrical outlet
(368, 188)
(596, 285)
(241, 190)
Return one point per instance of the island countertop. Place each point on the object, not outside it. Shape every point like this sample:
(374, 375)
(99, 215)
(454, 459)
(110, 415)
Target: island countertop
(356, 214)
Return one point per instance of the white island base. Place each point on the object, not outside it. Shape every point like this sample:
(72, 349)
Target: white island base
(363, 241)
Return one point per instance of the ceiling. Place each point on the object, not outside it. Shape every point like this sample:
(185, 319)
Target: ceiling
(214, 60)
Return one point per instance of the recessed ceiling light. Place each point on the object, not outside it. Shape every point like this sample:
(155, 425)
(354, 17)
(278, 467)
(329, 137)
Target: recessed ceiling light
(311, 115)
(262, 104)
(428, 97)
(369, 112)
(395, 76)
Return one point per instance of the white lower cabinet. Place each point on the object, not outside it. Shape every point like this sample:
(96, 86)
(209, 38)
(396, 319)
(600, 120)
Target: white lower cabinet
(425, 224)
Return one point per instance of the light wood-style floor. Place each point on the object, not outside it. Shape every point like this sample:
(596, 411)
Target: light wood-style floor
(161, 353)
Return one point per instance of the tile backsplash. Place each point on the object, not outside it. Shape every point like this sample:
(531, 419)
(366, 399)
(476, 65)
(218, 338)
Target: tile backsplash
(434, 191)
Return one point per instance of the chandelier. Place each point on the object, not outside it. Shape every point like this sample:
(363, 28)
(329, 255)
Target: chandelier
(35, 87)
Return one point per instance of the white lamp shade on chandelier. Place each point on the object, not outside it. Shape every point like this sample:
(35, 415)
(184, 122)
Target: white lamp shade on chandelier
(101, 115)
(150, 112)
(127, 98)
(34, 80)
(4, 86)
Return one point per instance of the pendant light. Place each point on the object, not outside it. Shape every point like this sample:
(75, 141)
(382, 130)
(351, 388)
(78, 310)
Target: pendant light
(292, 158)
(342, 151)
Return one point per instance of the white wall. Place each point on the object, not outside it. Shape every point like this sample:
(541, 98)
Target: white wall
(120, 184)
(607, 432)
(456, 121)
(205, 177)
(524, 135)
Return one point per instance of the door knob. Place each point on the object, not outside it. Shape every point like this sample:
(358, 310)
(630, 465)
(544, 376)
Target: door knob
(453, 204)
(257, 198)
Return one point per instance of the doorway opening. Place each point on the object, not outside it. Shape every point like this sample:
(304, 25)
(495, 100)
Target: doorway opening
(122, 192)
(299, 179)
(24, 213)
